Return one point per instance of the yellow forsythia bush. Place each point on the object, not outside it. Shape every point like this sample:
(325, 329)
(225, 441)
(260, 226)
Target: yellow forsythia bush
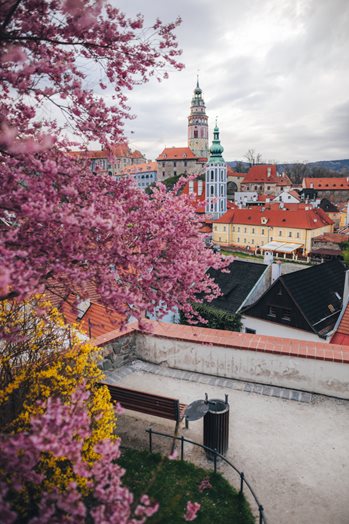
(41, 357)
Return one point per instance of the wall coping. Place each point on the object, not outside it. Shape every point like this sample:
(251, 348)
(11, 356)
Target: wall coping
(231, 339)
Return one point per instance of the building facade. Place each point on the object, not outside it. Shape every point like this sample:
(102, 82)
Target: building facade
(265, 180)
(253, 228)
(175, 161)
(110, 161)
(335, 189)
(198, 125)
(143, 175)
(216, 179)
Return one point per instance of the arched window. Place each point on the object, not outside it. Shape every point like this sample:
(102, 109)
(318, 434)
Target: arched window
(196, 133)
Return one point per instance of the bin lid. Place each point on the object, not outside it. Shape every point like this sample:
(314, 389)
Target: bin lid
(196, 410)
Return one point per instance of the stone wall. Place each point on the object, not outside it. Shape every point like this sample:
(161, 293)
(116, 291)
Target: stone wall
(119, 352)
(305, 365)
(288, 371)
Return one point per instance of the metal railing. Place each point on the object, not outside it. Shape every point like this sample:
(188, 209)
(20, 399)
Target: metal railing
(216, 455)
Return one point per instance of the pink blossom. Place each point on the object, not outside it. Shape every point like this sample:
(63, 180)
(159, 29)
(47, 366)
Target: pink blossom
(173, 455)
(191, 511)
(205, 484)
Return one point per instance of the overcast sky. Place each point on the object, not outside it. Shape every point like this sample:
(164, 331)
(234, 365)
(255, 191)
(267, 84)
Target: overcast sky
(275, 72)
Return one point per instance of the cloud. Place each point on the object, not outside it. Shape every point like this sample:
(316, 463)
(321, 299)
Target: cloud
(276, 72)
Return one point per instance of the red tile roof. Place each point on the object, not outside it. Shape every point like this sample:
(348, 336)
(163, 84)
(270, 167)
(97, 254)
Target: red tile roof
(341, 336)
(148, 167)
(295, 194)
(336, 238)
(97, 319)
(259, 174)
(177, 153)
(327, 184)
(297, 216)
(118, 150)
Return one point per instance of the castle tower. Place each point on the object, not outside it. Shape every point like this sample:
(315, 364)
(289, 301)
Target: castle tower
(216, 179)
(198, 124)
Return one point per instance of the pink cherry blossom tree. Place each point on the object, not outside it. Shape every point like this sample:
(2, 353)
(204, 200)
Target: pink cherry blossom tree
(58, 221)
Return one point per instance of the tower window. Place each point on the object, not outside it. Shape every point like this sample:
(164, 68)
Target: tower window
(196, 133)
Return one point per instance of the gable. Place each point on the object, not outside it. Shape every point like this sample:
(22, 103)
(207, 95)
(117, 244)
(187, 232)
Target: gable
(237, 284)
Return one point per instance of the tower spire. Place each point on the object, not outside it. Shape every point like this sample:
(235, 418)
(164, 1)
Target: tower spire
(198, 124)
(216, 178)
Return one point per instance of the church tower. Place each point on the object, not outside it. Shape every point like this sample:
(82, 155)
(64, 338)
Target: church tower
(198, 124)
(216, 179)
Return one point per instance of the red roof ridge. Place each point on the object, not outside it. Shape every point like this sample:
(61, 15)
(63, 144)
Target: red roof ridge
(177, 153)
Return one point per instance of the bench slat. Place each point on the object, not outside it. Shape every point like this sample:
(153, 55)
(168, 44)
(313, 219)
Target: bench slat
(143, 402)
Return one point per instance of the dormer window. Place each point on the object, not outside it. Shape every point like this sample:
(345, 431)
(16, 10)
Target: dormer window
(264, 220)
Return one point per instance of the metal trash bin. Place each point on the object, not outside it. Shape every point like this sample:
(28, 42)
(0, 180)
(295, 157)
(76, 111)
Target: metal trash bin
(216, 426)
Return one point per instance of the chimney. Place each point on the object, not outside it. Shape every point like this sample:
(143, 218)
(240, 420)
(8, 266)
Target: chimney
(275, 271)
(346, 287)
(268, 258)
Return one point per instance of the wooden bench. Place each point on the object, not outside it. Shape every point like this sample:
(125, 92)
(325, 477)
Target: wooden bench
(157, 405)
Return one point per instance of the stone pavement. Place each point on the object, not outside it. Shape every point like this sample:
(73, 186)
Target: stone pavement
(138, 365)
(292, 447)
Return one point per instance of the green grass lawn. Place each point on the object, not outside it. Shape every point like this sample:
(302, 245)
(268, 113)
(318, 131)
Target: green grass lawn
(172, 483)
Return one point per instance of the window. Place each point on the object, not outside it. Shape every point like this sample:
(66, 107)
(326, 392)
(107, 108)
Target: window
(174, 164)
(163, 173)
(280, 233)
(174, 173)
(233, 229)
(253, 231)
(196, 135)
(255, 187)
(245, 229)
(185, 163)
(163, 164)
(238, 239)
(244, 240)
(272, 311)
(262, 231)
(268, 188)
(298, 235)
(238, 229)
(252, 240)
(224, 228)
(290, 234)
(251, 331)
(286, 315)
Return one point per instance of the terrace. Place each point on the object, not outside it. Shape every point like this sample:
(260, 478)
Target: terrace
(289, 431)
